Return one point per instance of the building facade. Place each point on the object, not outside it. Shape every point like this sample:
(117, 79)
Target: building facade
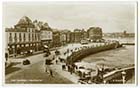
(65, 36)
(68, 36)
(56, 38)
(22, 38)
(94, 33)
(84, 34)
(77, 35)
(72, 37)
(46, 35)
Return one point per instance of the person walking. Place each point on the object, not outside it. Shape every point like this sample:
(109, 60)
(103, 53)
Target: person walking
(56, 61)
(6, 56)
(46, 67)
(53, 57)
(71, 69)
(51, 73)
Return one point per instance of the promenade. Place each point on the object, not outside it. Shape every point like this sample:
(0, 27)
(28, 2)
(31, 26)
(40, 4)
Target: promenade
(20, 71)
(26, 73)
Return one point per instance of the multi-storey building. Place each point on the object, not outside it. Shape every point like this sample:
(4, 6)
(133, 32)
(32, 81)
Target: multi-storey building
(94, 33)
(56, 38)
(68, 36)
(22, 38)
(84, 34)
(77, 35)
(72, 37)
(64, 36)
(46, 35)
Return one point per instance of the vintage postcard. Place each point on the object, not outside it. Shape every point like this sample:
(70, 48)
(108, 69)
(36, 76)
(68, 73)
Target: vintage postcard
(70, 42)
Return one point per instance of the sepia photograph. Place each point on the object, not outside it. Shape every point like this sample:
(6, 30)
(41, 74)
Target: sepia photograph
(70, 42)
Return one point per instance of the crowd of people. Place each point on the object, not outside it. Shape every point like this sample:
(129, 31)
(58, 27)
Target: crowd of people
(70, 67)
(58, 59)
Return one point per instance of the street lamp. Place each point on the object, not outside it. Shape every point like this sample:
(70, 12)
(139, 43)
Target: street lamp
(123, 76)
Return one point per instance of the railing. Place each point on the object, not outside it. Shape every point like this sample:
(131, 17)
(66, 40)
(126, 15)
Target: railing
(116, 73)
(128, 43)
(75, 56)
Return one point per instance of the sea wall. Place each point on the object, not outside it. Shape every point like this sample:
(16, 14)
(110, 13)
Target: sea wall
(76, 56)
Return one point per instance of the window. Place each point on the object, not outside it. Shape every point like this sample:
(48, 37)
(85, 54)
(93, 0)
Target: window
(29, 36)
(20, 39)
(10, 37)
(38, 37)
(33, 37)
(15, 37)
(30, 30)
(24, 38)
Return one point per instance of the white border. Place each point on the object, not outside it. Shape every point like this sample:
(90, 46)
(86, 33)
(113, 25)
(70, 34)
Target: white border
(70, 85)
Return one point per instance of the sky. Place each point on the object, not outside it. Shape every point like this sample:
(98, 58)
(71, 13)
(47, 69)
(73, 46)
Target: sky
(110, 16)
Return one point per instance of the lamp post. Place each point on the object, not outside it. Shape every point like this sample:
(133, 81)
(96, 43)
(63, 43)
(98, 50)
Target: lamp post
(123, 76)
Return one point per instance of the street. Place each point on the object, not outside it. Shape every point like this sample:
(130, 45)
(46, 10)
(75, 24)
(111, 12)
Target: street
(35, 72)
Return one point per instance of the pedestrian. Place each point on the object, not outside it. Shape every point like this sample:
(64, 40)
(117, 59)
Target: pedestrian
(46, 70)
(67, 50)
(76, 67)
(80, 74)
(71, 69)
(56, 61)
(51, 73)
(6, 56)
(53, 57)
(84, 74)
(63, 67)
(68, 68)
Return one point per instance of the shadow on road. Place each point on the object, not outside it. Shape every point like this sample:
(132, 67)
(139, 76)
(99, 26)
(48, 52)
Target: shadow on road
(11, 69)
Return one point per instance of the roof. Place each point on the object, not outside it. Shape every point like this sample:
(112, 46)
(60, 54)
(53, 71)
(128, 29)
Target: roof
(46, 28)
(77, 30)
(18, 30)
(25, 22)
(15, 30)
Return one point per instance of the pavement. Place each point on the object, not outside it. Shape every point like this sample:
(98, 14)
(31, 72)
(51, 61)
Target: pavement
(72, 77)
